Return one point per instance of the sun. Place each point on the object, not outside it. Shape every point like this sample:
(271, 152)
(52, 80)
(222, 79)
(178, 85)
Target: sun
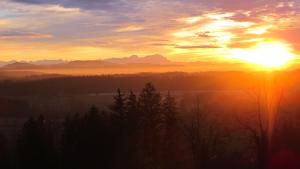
(266, 55)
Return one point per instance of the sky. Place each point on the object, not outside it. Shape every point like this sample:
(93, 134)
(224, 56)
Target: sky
(181, 30)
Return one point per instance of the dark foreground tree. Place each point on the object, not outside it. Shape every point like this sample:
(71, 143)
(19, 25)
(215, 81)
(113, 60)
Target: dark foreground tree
(174, 147)
(150, 141)
(87, 142)
(35, 147)
(5, 160)
(118, 107)
(132, 111)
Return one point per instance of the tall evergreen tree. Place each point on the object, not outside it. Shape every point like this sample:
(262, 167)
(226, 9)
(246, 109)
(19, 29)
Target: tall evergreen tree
(149, 104)
(131, 136)
(119, 104)
(174, 154)
(169, 111)
(132, 111)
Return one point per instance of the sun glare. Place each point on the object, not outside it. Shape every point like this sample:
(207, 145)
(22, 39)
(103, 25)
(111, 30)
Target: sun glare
(266, 55)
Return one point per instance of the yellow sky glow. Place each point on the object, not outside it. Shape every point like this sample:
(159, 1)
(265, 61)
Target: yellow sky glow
(267, 55)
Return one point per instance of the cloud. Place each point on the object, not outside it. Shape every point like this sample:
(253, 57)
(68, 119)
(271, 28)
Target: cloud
(163, 44)
(198, 47)
(82, 4)
(242, 45)
(61, 9)
(17, 8)
(4, 22)
(204, 35)
(23, 35)
(251, 5)
(130, 28)
(291, 35)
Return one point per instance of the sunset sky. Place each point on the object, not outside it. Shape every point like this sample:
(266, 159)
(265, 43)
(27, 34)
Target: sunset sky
(181, 30)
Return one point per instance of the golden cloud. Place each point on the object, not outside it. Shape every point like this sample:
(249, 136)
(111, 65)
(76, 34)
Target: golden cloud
(130, 28)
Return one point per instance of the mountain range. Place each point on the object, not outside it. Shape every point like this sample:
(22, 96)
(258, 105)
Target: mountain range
(151, 59)
(127, 65)
(134, 59)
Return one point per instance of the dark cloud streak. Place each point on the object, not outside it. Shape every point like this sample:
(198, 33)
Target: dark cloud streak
(107, 5)
(22, 35)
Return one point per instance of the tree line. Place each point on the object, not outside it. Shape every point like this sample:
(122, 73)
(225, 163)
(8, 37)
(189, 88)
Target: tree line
(109, 83)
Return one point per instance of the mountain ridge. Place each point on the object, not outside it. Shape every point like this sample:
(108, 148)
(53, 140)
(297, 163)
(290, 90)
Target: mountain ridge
(149, 59)
(155, 59)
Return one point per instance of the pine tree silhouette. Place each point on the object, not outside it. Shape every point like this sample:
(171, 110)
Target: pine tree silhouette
(174, 148)
(88, 141)
(132, 111)
(149, 104)
(118, 106)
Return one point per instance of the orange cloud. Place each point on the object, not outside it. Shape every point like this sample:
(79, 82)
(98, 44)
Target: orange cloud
(130, 28)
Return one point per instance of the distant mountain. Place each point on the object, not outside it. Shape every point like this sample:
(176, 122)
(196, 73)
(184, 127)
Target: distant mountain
(86, 63)
(134, 59)
(20, 65)
(48, 62)
(2, 63)
(151, 59)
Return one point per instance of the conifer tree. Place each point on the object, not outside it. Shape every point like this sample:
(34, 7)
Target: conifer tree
(149, 104)
(118, 106)
(132, 111)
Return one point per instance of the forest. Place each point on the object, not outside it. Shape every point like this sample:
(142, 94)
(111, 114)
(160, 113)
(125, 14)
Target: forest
(148, 130)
